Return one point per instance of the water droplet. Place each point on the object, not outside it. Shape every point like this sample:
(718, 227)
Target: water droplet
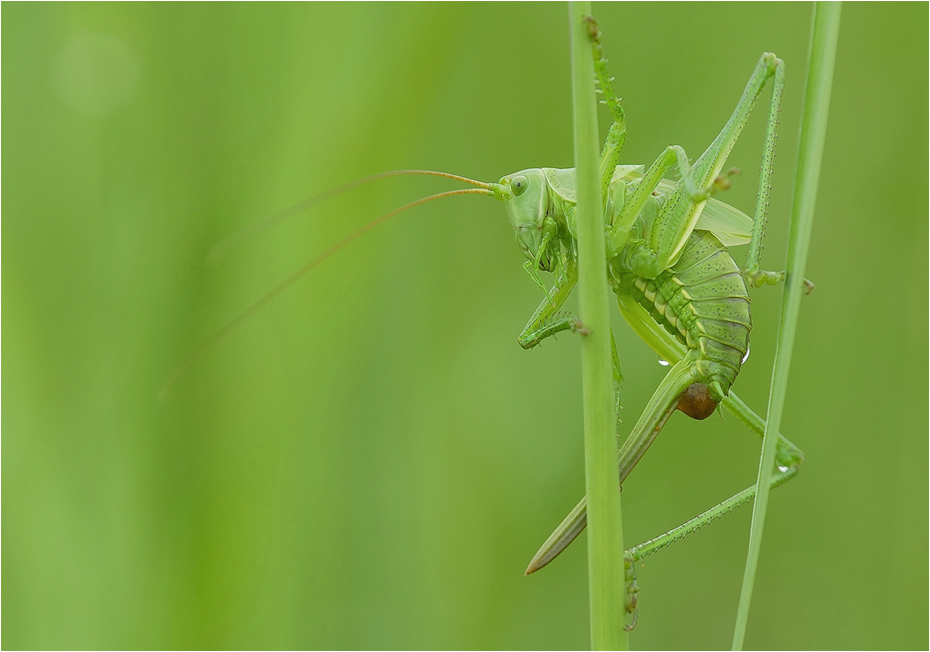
(662, 362)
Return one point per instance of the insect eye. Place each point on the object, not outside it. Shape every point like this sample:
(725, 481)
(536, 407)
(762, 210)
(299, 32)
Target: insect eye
(518, 185)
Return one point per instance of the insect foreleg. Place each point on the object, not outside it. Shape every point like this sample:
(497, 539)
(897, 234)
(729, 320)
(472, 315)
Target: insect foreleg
(673, 156)
(545, 322)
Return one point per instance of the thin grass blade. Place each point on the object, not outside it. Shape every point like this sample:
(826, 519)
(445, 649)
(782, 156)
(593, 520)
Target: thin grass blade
(605, 538)
(824, 34)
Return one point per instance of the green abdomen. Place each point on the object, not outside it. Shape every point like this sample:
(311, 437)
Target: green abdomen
(702, 300)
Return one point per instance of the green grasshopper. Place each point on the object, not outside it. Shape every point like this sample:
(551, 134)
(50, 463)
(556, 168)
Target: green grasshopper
(676, 284)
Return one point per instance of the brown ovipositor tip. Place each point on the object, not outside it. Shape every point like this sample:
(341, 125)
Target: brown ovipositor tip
(697, 402)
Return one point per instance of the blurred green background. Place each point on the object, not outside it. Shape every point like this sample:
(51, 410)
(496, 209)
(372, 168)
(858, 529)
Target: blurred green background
(371, 460)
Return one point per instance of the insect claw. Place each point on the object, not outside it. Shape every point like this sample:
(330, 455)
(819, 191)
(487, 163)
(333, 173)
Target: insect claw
(579, 327)
(632, 625)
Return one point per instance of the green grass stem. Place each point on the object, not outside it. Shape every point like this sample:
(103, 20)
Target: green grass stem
(605, 537)
(824, 33)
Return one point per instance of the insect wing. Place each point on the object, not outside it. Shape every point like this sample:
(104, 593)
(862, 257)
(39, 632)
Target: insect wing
(562, 181)
(731, 225)
(626, 172)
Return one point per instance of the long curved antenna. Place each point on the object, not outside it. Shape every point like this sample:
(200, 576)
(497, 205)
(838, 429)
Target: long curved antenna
(219, 250)
(290, 280)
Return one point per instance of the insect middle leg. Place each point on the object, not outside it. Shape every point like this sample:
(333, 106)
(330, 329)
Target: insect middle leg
(681, 209)
(674, 156)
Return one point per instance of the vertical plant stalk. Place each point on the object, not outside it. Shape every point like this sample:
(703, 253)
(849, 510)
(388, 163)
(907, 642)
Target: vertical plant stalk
(605, 538)
(824, 33)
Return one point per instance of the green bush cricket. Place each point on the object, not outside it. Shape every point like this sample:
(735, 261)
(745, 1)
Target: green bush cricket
(668, 264)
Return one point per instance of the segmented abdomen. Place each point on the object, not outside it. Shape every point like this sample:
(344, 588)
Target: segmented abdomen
(702, 300)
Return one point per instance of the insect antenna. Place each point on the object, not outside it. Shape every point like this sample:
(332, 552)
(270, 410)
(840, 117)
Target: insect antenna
(295, 276)
(219, 250)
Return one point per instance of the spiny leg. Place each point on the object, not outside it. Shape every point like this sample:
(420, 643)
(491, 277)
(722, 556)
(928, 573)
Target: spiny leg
(636, 553)
(639, 552)
(673, 156)
(681, 209)
(616, 135)
(610, 157)
(661, 405)
(656, 413)
(679, 213)
(545, 322)
(755, 276)
(632, 591)
(788, 458)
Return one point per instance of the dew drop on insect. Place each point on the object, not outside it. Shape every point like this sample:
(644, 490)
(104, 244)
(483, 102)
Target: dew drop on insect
(662, 362)
(746, 357)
